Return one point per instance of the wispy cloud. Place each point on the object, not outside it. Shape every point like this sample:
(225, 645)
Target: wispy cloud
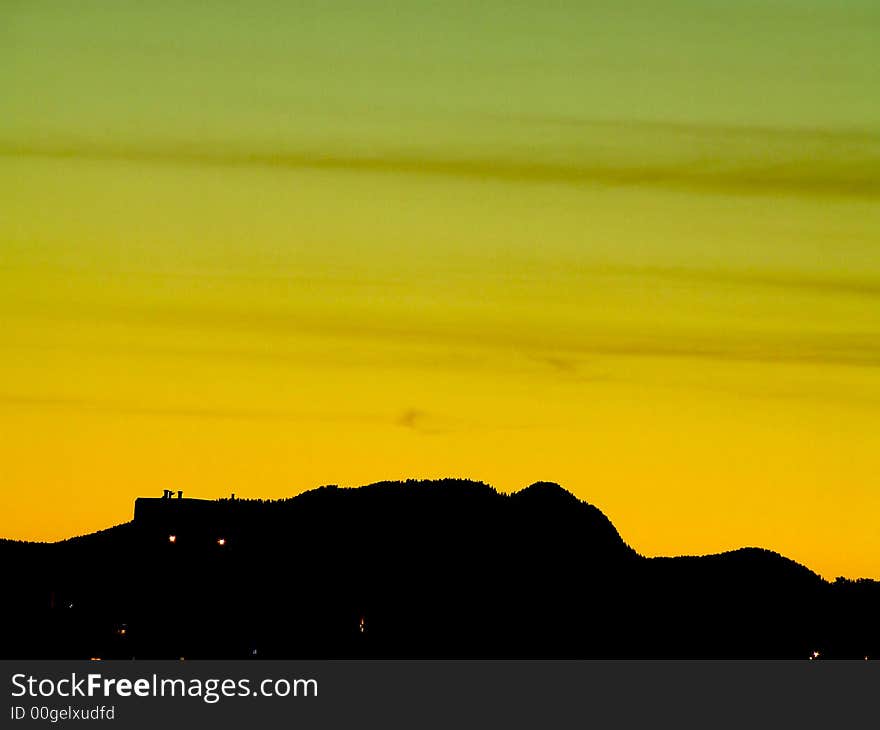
(214, 413)
(420, 421)
(837, 163)
(556, 345)
(809, 282)
(411, 418)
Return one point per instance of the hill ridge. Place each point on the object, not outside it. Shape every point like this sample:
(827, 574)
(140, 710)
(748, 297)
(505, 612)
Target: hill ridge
(423, 568)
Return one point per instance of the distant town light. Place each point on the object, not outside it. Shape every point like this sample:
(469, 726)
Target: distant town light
(221, 541)
(172, 538)
(362, 625)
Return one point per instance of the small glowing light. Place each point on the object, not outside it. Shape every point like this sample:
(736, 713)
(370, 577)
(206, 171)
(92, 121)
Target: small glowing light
(172, 538)
(362, 625)
(95, 659)
(221, 542)
(815, 655)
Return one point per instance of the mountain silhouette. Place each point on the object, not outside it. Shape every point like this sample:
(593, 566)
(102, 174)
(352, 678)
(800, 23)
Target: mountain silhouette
(426, 569)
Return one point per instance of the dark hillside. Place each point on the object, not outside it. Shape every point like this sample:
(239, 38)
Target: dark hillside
(448, 568)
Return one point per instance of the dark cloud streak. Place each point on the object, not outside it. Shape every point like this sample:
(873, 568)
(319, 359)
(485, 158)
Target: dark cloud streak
(855, 348)
(204, 413)
(813, 283)
(775, 172)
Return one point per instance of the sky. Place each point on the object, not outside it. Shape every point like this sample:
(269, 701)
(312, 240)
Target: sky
(628, 246)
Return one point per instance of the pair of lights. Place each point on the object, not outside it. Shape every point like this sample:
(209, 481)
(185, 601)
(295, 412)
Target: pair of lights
(221, 541)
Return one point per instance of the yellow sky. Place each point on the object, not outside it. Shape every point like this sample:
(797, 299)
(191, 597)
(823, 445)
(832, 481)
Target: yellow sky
(329, 247)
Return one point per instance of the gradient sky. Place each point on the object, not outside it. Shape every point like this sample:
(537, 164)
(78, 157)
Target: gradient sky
(632, 247)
